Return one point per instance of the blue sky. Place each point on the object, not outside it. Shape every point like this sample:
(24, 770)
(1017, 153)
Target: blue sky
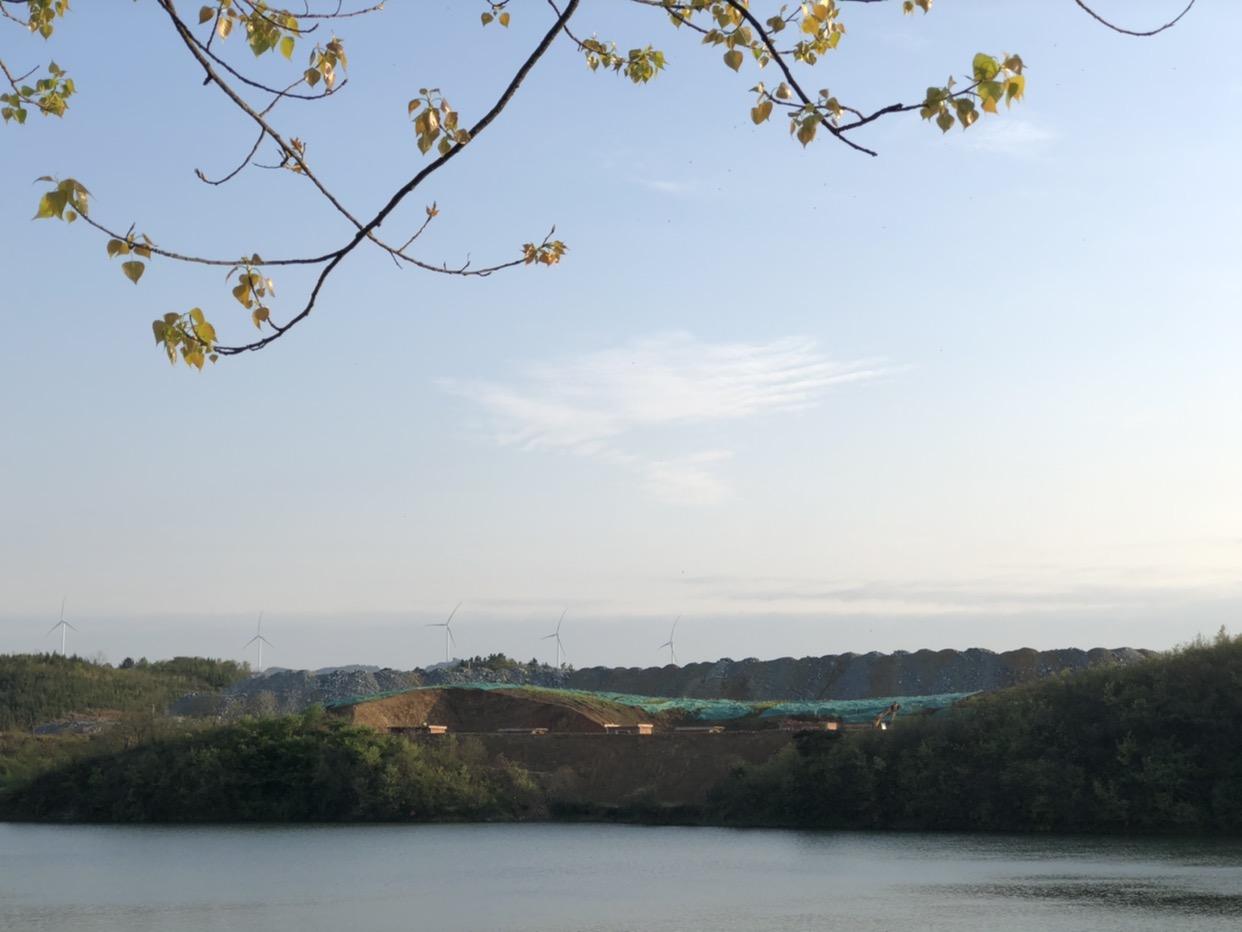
(981, 390)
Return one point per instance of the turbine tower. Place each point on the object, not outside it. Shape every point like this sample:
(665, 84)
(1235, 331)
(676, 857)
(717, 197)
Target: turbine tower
(258, 637)
(556, 634)
(63, 625)
(669, 643)
(448, 631)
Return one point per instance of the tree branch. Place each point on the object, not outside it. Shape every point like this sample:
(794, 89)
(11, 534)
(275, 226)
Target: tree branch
(404, 191)
(1130, 32)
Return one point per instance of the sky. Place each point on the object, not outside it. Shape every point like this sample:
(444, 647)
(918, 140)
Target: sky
(981, 390)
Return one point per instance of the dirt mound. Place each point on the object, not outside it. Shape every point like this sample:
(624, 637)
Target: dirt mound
(464, 709)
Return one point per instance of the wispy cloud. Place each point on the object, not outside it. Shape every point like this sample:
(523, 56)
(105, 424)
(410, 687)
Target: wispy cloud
(1010, 136)
(664, 186)
(594, 404)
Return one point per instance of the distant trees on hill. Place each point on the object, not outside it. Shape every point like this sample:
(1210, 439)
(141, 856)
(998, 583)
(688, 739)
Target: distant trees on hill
(39, 687)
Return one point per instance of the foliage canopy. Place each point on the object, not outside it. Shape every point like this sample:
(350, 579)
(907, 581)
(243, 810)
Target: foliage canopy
(226, 37)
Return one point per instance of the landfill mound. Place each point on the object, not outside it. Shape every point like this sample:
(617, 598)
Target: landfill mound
(849, 676)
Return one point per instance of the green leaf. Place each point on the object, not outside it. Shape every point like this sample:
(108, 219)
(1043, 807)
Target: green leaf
(133, 270)
(286, 47)
(985, 67)
(733, 58)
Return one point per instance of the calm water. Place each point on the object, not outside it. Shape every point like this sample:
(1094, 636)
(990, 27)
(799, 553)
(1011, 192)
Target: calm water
(603, 879)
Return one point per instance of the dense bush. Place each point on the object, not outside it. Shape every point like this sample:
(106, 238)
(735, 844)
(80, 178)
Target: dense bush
(275, 770)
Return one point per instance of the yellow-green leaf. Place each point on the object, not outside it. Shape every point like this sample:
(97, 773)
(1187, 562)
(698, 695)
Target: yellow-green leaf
(733, 58)
(286, 47)
(133, 270)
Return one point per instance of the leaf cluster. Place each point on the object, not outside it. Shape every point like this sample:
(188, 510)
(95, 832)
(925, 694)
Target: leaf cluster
(48, 95)
(434, 120)
(993, 80)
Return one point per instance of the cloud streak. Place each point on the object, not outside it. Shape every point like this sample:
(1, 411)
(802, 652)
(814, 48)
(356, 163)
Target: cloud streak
(596, 404)
(1011, 137)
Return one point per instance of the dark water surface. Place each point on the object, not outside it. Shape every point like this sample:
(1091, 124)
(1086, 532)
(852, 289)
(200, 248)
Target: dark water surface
(603, 879)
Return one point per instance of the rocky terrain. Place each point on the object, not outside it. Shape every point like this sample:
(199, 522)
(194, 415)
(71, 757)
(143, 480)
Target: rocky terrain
(839, 676)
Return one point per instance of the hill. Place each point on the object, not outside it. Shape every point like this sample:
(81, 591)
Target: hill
(1148, 747)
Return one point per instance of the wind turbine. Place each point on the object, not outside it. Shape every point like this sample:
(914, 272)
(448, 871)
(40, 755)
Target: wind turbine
(448, 631)
(258, 636)
(63, 625)
(556, 634)
(669, 643)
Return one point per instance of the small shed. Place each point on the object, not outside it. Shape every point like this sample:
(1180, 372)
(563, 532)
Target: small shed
(642, 728)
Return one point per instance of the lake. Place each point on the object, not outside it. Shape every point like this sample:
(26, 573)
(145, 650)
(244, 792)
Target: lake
(603, 878)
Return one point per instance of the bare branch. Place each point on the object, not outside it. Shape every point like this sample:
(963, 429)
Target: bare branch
(1130, 32)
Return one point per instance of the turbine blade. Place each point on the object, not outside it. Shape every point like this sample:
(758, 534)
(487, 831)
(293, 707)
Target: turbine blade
(451, 614)
(70, 627)
(450, 634)
(54, 627)
(553, 635)
(62, 607)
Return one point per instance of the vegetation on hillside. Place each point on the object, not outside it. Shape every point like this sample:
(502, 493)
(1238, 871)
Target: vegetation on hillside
(295, 769)
(36, 688)
(1150, 747)
(1153, 747)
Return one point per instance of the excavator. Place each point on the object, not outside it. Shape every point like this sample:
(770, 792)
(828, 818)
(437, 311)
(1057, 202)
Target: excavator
(890, 713)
